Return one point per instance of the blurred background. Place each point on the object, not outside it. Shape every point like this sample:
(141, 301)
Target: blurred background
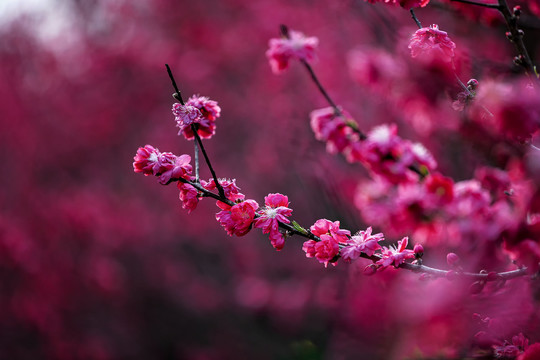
(97, 262)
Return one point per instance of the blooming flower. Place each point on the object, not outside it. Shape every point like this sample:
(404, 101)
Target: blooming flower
(232, 192)
(198, 110)
(432, 44)
(275, 211)
(326, 227)
(170, 166)
(324, 250)
(189, 196)
(395, 255)
(237, 219)
(296, 45)
(362, 242)
(145, 160)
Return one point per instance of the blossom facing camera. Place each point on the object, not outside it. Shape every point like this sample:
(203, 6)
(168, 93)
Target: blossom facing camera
(295, 46)
(198, 110)
(430, 44)
(275, 211)
(145, 160)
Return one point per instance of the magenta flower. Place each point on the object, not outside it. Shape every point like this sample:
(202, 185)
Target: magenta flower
(237, 219)
(296, 46)
(232, 192)
(324, 250)
(200, 110)
(145, 160)
(331, 128)
(326, 227)
(432, 44)
(395, 255)
(389, 156)
(185, 115)
(189, 196)
(362, 242)
(170, 167)
(275, 211)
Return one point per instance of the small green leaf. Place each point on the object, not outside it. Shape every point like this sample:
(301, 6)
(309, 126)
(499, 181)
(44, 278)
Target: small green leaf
(298, 228)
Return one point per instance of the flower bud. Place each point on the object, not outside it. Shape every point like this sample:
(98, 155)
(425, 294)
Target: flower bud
(517, 11)
(452, 259)
(418, 251)
(472, 84)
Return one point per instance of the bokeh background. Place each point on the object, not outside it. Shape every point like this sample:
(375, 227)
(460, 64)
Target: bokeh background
(97, 262)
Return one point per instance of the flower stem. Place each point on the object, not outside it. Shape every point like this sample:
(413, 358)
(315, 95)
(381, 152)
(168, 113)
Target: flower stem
(413, 15)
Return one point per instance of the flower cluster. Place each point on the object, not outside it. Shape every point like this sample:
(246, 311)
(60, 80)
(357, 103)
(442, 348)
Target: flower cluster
(294, 46)
(199, 110)
(432, 45)
(166, 166)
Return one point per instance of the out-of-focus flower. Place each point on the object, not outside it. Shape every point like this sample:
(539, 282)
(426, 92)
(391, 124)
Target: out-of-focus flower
(296, 46)
(497, 105)
(391, 157)
(431, 44)
(145, 160)
(332, 129)
(275, 211)
(362, 242)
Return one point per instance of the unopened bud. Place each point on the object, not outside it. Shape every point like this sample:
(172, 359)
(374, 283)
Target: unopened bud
(418, 251)
(472, 84)
(517, 11)
(452, 259)
(509, 36)
(521, 33)
(518, 60)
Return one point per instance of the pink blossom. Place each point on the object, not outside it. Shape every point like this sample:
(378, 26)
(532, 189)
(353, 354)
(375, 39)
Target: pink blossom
(391, 157)
(145, 160)
(431, 44)
(326, 227)
(332, 129)
(232, 192)
(362, 242)
(185, 115)
(497, 105)
(395, 255)
(409, 4)
(296, 46)
(207, 110)
(172, 167)
(275, 211)
(237, 219)
(324, 250)
(532, 353)
(189, 196)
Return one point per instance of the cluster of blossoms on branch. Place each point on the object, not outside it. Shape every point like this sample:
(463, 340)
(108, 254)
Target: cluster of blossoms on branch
(405, 194)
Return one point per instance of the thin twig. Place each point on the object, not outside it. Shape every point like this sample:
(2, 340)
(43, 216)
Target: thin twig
(177, 95)
(416, 19)
(207, 159)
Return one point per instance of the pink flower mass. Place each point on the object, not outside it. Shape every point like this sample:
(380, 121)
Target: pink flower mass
(430, 43)
(295, 46)
(405, 156)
